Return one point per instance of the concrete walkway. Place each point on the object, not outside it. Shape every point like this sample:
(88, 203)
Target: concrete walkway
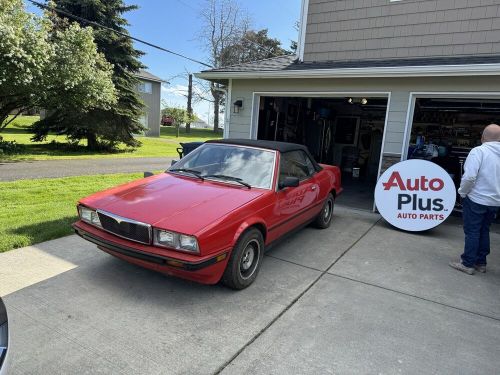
(79, 167)
(357, 298)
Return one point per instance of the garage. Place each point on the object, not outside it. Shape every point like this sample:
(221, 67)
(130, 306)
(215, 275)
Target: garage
(445, 129)
(345, 130)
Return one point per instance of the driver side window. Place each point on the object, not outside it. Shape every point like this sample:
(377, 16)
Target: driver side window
(295, 164)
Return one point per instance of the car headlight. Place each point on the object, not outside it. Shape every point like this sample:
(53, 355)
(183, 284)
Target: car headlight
(89, 216)
(173, 240)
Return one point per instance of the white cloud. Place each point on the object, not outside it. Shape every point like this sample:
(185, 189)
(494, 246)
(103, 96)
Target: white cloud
(177, 90)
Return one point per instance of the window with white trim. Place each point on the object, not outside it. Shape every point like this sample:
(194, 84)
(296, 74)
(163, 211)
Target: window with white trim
(145, 87)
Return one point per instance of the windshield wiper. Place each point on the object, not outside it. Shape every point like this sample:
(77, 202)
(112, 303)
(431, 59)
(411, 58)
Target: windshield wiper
(228, 178)
(190, 171)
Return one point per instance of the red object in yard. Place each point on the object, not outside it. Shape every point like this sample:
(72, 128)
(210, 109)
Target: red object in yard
(211, 215)
(167, 120)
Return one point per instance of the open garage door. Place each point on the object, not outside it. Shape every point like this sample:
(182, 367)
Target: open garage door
(444, 130)
(343, 131)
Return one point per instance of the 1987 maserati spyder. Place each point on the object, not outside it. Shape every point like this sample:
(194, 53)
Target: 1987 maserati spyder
(210, 216)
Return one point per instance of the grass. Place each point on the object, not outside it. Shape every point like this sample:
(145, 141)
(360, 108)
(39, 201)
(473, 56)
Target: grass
(38, 210)
(56, 147)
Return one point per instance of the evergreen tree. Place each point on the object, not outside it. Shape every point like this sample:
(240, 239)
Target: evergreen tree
(120, 122)
(252, 46)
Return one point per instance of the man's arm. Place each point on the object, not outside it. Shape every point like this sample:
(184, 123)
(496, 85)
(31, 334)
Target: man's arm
(471, 170)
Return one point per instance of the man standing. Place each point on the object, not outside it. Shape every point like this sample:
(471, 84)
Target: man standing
(480, 190)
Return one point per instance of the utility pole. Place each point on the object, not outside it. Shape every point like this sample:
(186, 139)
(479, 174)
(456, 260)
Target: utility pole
(189, 107)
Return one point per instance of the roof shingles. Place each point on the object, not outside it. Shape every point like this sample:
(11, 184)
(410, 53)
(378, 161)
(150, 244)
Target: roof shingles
(291, 63)
(148, 76)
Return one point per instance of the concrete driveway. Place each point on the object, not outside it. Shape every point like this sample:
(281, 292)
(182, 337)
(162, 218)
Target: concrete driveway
(358, 298)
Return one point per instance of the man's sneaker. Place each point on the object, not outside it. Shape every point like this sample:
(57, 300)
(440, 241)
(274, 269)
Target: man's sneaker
(480, 268)
(459, 266)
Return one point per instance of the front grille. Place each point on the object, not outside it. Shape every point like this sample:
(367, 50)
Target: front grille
(126, 228)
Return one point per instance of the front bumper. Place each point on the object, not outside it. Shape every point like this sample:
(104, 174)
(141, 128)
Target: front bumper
(206, 271)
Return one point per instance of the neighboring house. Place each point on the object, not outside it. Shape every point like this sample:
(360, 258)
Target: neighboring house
(150, 89)
(373, 81)
(200, 124)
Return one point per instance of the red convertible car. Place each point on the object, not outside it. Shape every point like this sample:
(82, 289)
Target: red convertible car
(210, 216)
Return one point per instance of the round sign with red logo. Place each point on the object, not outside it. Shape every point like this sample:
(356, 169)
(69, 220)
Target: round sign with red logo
(415, 195)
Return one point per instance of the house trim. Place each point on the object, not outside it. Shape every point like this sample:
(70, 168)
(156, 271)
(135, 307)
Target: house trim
(229, 105)
(414, 95)
(392, 71)
(386, 125)
(302, 30)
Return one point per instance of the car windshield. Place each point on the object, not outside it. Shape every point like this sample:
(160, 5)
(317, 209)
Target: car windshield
(229, 163)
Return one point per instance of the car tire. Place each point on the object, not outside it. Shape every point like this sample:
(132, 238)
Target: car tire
(245, 261)
(324, 218)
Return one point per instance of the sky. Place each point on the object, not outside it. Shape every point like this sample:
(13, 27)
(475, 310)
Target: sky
(175, 25)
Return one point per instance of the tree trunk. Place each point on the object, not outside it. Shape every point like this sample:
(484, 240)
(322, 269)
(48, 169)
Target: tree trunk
(3, 120)
(92, 142)
(5, 112)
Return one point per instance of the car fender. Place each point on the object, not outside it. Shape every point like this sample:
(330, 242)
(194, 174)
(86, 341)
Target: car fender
(334, 177)
(250, 222)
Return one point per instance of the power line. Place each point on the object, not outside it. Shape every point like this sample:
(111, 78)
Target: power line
(67, 14)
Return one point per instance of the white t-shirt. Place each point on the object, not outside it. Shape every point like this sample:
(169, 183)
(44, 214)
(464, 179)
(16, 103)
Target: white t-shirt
(481, 178)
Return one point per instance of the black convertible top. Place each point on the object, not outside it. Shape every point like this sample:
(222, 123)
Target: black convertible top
(282, 147)
(271, 145)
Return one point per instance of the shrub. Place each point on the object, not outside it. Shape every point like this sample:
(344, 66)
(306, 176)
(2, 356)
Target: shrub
(10, 147)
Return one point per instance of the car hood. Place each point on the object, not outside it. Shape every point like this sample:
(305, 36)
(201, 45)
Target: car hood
(177, 203)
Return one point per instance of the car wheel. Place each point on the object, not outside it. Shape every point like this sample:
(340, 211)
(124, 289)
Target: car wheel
(324, 219)
(245, 260)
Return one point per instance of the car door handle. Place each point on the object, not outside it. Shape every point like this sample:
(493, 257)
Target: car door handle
(313, 188)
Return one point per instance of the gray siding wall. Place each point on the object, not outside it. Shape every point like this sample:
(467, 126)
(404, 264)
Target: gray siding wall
(400, 88)
(380, 29)
(152, 102)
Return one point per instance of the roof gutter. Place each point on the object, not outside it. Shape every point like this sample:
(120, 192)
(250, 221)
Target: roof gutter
(152, 80)
(377, 72)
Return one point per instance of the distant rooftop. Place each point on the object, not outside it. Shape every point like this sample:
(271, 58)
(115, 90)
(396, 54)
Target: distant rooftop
(148, 76)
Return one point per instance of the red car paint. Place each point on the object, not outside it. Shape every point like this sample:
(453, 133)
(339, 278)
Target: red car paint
(216, 213)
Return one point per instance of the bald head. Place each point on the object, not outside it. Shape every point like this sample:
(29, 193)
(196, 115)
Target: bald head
(491, 133)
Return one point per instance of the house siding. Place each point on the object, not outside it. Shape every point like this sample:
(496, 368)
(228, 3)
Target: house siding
(152, 102)
(400, 89)
(344, 30)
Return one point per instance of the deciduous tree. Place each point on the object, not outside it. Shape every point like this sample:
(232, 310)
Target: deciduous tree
(179, 116)
(53, 69)
(227, 35)
(223, 24)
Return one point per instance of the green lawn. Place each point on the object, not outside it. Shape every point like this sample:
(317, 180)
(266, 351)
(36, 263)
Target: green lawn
(38, 210)
(56, 147)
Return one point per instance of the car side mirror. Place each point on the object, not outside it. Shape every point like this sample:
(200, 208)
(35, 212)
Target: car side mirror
(173, 162)
(148, 174)
(289, 182)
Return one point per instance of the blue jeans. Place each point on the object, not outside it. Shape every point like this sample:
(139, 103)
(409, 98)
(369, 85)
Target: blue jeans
(477, 221)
